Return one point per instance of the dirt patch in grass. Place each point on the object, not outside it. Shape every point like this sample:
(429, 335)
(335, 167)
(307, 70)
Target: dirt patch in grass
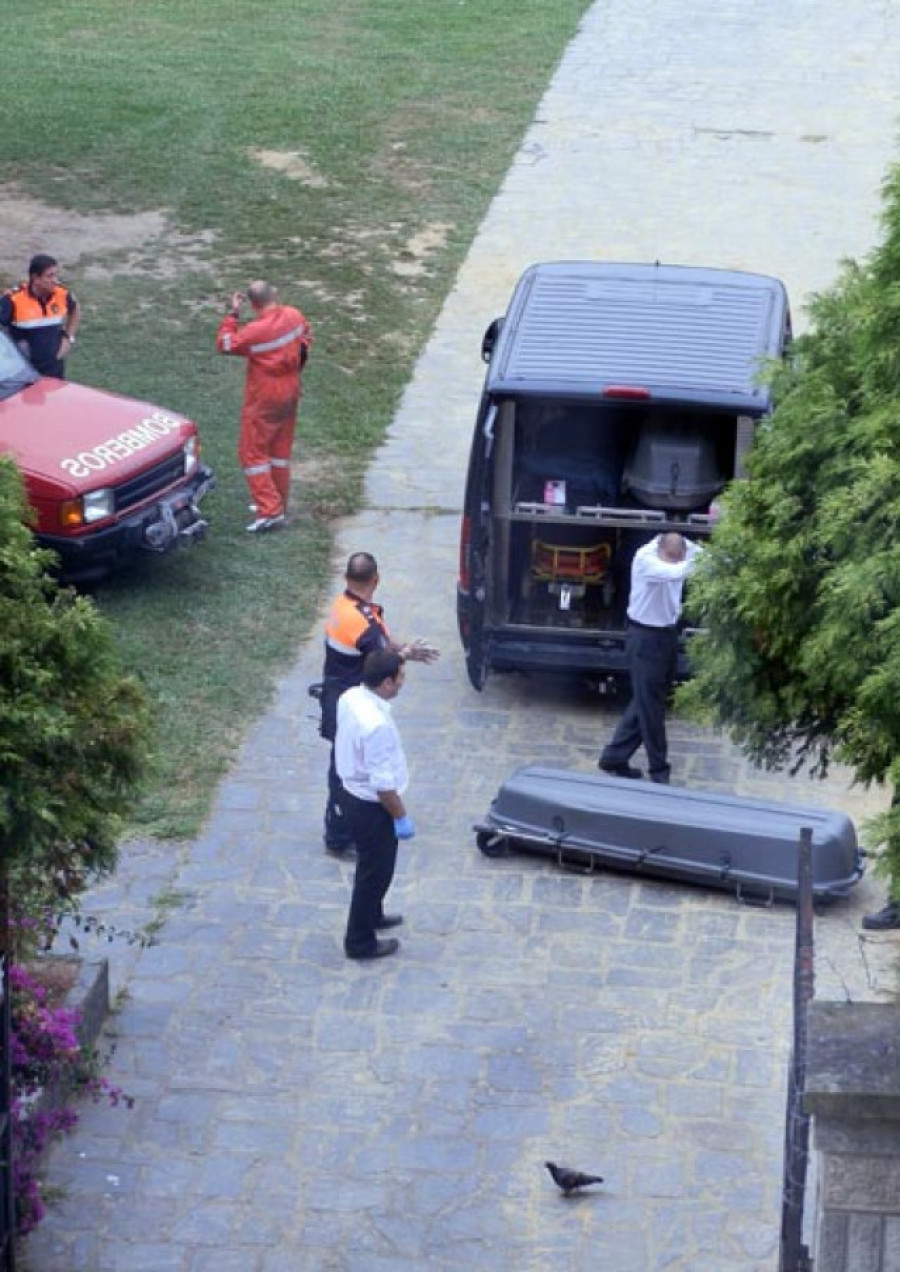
(181, 253)
(349, 302)
(141, 243)
(147, 245)
(414, 256)
(370, 247)
(315, 470)
(292, 164)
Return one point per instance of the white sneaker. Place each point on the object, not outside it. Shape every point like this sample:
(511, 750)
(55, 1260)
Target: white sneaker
(252, 507)
(263, 524)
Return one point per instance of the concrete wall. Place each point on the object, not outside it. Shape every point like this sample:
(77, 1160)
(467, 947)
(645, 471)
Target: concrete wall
(853, 1094)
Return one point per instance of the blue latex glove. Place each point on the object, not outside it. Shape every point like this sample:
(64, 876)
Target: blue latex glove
(404, 828)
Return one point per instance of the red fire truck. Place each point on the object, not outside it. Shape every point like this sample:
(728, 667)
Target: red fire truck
(106, 476)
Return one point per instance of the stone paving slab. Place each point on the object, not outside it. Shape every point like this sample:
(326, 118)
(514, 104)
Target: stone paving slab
(296, 1112)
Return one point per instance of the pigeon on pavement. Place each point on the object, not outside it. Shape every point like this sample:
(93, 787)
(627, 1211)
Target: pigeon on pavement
(569, 1180)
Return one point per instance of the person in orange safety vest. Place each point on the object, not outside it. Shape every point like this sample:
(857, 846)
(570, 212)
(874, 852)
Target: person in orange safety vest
(354, 628)
(275, 343)
(42, 317)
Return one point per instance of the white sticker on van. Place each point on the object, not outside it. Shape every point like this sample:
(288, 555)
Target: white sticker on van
(107, 453)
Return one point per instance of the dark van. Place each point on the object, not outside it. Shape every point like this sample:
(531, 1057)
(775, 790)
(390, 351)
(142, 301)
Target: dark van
(619, 401)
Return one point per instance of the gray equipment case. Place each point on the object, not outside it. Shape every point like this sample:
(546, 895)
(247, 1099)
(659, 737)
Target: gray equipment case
(746, 846)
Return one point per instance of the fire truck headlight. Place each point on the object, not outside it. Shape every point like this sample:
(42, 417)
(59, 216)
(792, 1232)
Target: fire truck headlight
(98, 504)
(191, 454)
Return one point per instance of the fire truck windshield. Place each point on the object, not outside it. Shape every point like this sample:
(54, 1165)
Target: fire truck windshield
(15, 370)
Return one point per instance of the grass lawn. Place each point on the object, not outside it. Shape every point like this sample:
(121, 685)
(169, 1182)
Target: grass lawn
(344, 149)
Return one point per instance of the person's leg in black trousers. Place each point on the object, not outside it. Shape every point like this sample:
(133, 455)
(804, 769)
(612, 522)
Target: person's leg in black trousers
(372, 828)
(337, 832)
(652, 657)
(656, 655)
(338, 838)
(627, 737)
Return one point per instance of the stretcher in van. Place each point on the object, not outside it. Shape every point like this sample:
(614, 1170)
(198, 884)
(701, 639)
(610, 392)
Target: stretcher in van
(746, 846)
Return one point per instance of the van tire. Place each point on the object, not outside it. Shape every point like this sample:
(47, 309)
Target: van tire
(492, 844)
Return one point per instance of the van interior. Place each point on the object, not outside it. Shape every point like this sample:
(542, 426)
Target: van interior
(579, 486)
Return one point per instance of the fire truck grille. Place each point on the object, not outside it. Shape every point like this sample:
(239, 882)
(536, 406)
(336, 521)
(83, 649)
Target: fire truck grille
(150, 483)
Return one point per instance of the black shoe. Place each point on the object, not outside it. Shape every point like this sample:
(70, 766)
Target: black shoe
(661, 779)
(881, 920)
(340, 848)
(388, 921)
(381, 949)
(620, 770)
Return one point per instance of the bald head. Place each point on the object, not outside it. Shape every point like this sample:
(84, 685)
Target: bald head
(672, 547)
(261, 294)
(362, 569)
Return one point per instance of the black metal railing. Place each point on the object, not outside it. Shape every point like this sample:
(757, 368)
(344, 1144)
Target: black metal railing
(794, 1254)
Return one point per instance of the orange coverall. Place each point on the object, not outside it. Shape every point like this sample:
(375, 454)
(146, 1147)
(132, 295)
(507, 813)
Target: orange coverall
(275, 344)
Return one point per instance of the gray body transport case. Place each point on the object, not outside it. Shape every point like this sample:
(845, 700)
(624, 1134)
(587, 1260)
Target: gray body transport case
(746, 846)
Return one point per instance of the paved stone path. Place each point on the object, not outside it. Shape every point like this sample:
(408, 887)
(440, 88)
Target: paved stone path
(296, 1113)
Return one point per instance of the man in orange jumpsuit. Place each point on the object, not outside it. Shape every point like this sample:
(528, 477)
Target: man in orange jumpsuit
(275, 343)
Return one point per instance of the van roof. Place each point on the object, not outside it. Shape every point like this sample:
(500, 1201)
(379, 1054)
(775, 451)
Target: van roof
(681, 333)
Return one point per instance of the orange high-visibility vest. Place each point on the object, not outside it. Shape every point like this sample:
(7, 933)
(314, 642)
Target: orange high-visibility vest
(39, 324)
(354, 628)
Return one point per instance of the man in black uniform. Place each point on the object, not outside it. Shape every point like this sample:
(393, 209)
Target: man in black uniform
(42, 317)
(355, 628)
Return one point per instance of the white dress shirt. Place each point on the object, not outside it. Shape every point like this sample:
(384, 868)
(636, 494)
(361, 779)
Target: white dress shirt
(656, 584)
(368, 754)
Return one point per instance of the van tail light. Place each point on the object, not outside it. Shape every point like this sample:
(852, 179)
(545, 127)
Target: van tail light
(630, 392)
(465, 541)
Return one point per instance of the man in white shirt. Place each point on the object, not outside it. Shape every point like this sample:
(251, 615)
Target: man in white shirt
(654, 608)
(372, 768)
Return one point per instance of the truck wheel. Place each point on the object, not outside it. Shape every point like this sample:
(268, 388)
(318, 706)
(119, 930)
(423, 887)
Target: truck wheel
(491, 844)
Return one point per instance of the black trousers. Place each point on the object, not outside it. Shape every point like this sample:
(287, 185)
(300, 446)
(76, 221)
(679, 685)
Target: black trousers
(372, 828)
(652, 661)
(337, 831)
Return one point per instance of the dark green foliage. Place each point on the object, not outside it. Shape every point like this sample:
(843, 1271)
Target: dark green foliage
(800, 590)
(73, 728)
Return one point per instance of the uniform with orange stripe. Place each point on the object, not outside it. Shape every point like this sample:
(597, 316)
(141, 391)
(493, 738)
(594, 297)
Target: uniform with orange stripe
(276, 344)
(354, 628)
(42, 317)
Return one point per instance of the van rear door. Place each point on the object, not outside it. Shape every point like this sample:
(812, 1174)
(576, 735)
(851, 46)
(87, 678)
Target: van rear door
(471, 595)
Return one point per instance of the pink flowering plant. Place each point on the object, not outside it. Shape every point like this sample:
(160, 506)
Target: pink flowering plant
(50, 1068)
(75, 742)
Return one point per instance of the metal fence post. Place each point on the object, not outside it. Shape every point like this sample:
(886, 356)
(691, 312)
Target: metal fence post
(794, 1255)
